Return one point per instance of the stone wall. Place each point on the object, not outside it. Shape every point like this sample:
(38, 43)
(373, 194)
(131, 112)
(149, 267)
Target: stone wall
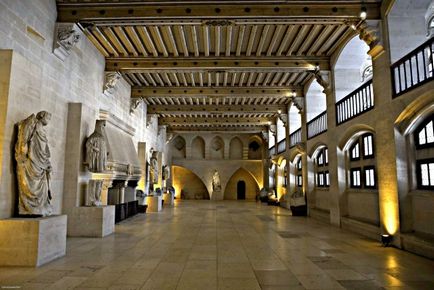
(38, 80)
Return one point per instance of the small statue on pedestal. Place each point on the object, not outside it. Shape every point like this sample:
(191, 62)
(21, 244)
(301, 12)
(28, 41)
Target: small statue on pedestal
(96, 159)
(32, 154)
(153, 171)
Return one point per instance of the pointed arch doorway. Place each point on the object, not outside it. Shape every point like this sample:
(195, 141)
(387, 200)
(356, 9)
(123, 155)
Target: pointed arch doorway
(241, 190)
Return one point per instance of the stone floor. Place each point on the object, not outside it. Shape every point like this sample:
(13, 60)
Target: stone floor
(226, 245)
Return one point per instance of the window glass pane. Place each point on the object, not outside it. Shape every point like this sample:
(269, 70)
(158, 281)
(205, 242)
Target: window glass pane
(327, 179)
(367, 144)
(430, 132)
(424, 174)
(355, 151)
(422, 137)
(369, 177)
(320, 159)
(321, 179)
(356, 177)
(326, 155)
(431, 174)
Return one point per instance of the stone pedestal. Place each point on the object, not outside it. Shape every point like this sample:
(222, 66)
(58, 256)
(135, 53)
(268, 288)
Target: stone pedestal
(217, 195)
(92, 221)
(168, 198)
(32, 241)
(154, 203)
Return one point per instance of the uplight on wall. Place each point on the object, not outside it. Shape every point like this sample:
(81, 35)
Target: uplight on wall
(386, 239)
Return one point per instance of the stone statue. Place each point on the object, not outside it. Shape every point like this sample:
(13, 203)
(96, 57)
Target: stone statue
(96, 149)
(166, 172)
(153, 172)
(216, 181)
(32, 154)
(94, 191)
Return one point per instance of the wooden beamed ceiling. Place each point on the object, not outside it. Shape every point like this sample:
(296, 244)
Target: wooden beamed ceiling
(187, 58)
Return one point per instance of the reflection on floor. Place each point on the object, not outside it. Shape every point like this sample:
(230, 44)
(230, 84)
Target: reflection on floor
(226, 245)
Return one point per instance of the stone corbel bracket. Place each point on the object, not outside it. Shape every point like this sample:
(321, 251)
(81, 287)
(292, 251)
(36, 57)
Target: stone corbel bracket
(370, 33)
(135, 103)
(323, 79)
(110, 82)
(284, 119)
(66, 37)
(298, 102)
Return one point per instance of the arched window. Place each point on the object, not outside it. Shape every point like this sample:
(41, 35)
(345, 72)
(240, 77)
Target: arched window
(362, 162)
(424, 140)
(322, 169)
(299, 172)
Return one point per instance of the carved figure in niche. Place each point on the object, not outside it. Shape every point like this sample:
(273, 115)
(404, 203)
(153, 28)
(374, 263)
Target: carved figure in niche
(153, 172)
(166, 172)
(94, 192)
(32, 154)
(216, 181)
(96, 149)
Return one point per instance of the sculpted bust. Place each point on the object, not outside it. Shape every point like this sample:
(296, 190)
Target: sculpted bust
(96, 149)
(32, 154)
(216, 181)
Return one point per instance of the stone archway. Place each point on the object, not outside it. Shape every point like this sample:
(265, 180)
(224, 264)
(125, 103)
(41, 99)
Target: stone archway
(251, 186)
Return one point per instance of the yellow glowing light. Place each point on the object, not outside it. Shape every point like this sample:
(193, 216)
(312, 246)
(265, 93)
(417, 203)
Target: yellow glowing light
(390, 217)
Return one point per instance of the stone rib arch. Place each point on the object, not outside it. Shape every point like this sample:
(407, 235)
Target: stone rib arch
(315, 149)
(352, 134)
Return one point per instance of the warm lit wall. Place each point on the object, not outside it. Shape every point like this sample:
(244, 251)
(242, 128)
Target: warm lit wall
(187, 182)
(251, 186)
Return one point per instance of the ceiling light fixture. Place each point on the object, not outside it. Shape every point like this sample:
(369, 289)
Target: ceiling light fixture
(363, 14)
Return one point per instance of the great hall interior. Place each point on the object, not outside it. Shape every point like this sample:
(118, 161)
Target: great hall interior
(217, 144)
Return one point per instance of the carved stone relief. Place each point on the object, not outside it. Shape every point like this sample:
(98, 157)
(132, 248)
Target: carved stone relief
(66, 36)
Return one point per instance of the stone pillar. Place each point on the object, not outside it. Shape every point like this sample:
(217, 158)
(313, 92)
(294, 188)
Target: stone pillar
(304, 163)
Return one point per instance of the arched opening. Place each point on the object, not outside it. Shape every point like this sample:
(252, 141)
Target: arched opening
(409, 25)
(198, 148)
(232, 187)
(255, 149)
(316, 102)
(236, 149)
(241, 190)
(217, 147)
(178, 147)
(321, 178)
(187, 184)
(353, 68)
(361, 176)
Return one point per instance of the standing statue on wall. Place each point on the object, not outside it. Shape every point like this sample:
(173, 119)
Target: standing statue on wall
(153, 172)
(32, 154)
(96, 149)
(96, 159)
(166, 172)
(216, 181)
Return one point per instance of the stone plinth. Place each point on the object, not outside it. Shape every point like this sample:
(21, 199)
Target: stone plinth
(92, 221)
(32, 241)
(168, 198)
(217, 195)
(154, 203)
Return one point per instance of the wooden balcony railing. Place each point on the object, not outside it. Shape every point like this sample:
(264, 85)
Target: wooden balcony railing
(317, 125)
(295, 138)
(355, 104)
(414, 69)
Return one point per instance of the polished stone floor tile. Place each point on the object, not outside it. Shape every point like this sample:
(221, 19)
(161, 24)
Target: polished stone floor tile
(226, 245)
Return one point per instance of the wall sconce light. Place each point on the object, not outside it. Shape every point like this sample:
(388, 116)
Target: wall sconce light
(386, 239)
(363, 13)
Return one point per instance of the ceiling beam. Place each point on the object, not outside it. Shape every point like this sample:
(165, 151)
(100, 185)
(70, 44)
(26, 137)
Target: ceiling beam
(223, 64)
(128, 12)
(188, 109)
(205, 92)
(206, 121)
(246, 130)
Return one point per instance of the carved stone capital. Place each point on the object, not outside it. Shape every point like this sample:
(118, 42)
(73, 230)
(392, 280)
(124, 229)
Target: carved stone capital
(110, 82)
(323, 79)
(284, 119)
(162, 128)
(370, 33)
(273, 129)
(298, 102)
(135, 103)
(66, 36)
